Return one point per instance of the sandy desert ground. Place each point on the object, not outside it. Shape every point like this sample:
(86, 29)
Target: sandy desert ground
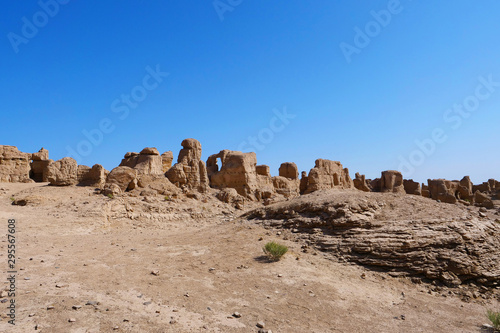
(89, 263)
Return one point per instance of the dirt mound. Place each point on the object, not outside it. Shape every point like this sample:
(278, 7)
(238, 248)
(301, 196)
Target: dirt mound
(403, 234)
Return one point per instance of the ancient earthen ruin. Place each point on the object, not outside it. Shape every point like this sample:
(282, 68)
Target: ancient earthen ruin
(234, 174)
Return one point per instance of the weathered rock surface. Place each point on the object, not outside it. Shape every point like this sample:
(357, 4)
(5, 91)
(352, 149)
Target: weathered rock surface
(263, 170)
(238, 171)
(289, 170)
(147, 162)
(303, 182)
(465, 188)
(406, 234)
(157, 184)
(264, 183)
(39, 170)
(95, 176)
(443, 190)
(412, 187)
(14, 165)
(326, 175)
(230, 196)
(190, 171)
(63, 172)
(41, 155)
(392, 181)
(166, 160)
(39, 165)
(287, 187)
(483, 200)
(122, 177)
(361, 183)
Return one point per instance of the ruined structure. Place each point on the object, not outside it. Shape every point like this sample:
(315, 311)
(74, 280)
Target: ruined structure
(235, 177)
(392, 181)
(39, 164)
(238, 170)
(412, 187)
(166, 160)
(287, 183)
(14, 165)
(361, 183)
(326, 175)
(95, 176)
(63, 172)
(190, 171)
(147, 162)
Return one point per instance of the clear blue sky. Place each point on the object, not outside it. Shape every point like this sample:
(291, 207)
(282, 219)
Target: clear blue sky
(232, 68)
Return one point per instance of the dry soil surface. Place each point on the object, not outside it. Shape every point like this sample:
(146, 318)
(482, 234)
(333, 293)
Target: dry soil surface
(88, 263)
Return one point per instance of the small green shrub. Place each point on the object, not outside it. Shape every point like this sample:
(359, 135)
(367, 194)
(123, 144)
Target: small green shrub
(167, 198)
(274, 250)
(494, 317)
(110, 196)
(12, 199)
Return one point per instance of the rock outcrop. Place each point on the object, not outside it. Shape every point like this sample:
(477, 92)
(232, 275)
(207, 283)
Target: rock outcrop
(147, 162)
(120, 179)
(190, 171)
(403, 234)
(63, 172)
(326, 175)
(14, 165)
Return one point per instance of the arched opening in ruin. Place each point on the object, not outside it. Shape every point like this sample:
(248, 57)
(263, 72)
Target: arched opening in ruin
(218, 163)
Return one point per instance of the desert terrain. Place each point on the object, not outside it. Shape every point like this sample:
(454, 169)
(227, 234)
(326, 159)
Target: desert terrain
(93, 263)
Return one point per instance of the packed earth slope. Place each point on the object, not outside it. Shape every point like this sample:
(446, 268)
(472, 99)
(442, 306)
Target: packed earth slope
(400, 233)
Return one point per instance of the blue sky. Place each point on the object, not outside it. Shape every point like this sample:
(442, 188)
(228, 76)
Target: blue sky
(233, 66)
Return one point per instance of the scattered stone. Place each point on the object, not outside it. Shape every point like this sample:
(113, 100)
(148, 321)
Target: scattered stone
(237, 315)
(76, 307)
(155, 273)
(50, 307)
(61, 285)
(261, 324)
(71, 320)
(31, 315)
